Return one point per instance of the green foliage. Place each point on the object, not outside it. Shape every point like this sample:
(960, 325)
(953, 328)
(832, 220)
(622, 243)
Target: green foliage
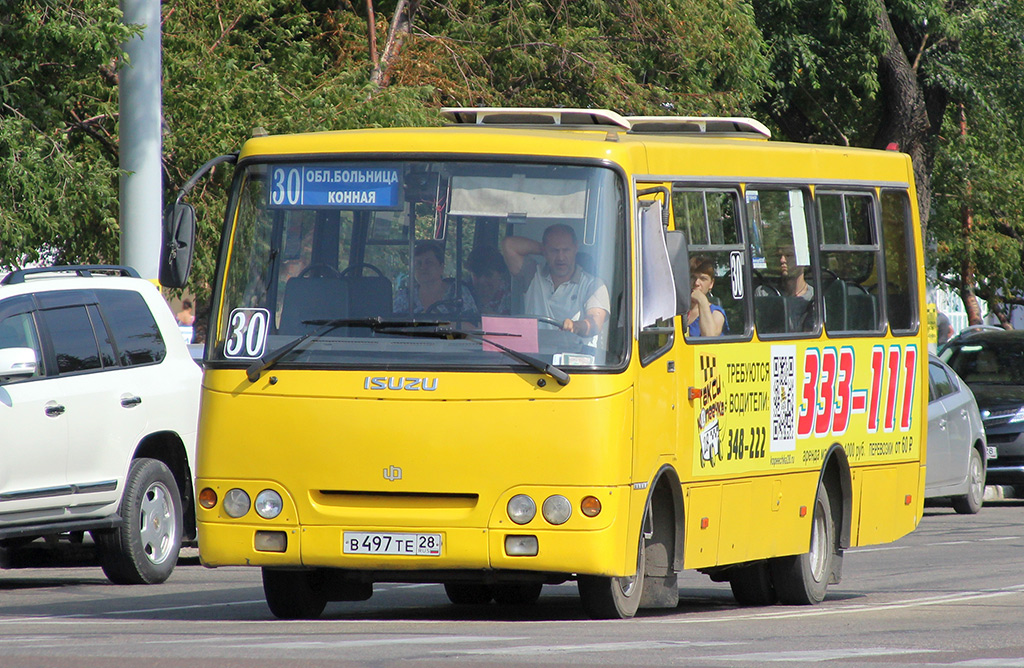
(59, 177)
(638, 57)
(812, 68)
(979, 170)
(965, 60)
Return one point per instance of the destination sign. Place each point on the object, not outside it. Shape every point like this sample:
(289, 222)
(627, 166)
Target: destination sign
(335, 186)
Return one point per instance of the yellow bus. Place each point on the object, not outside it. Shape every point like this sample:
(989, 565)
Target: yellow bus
(536, 346)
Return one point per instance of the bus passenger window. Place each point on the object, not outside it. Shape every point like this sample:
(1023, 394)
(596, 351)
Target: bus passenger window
(710, 220)
(849, 262)
(784, 295)
(900, 278)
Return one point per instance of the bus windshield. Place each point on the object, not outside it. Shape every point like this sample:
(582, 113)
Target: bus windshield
(527, 257)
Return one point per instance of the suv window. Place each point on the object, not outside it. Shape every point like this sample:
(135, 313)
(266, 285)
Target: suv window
(135, 331)
(19, 331)
(74, 342)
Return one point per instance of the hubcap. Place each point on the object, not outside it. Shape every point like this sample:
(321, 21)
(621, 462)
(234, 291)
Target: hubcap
(157, 527)
(819, 546)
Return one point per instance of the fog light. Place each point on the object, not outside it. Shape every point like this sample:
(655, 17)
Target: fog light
(207, 498)
(236, 502)
(521, 546)
(521, 509)
(269, 504)
(590, 506)
(556, 509)
(270, 541)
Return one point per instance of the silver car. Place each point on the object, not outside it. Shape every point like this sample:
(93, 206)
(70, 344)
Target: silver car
(956, 441)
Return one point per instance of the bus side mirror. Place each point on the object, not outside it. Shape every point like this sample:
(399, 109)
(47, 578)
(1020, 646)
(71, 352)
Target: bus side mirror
(179, 236)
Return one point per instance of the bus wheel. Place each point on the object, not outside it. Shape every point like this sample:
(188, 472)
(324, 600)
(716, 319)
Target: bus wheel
(613, 598)
(292, 594)
(468, 593)
(801, 579)
(752, 585)
(517, 593)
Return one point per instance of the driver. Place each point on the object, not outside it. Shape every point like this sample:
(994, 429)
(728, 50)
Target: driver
(431, 288)
(560, 290)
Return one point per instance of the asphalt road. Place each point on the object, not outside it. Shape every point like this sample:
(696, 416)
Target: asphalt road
(950, 594)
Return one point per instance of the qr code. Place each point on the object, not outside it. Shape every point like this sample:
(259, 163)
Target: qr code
(783, 398)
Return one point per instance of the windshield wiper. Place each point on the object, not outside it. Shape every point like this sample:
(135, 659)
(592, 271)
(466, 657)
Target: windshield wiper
(445, 331)
(326, 326)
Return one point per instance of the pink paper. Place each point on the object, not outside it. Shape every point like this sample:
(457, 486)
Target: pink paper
(519, 334)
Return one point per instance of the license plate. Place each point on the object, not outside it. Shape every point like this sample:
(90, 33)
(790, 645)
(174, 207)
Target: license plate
(990, 452)
(397, 544)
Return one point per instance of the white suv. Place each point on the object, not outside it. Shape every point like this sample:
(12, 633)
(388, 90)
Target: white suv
(99, 403)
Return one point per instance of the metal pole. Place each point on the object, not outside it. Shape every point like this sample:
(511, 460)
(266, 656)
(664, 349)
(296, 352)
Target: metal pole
(141, 186)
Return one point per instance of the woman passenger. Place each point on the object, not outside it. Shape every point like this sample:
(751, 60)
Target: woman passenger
(431, 288)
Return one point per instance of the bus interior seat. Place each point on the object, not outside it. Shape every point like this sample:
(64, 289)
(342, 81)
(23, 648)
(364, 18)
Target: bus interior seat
(368, 296)
(835, 305)
(770, 314)
(314, 298)
(861, 309)
(797, 311)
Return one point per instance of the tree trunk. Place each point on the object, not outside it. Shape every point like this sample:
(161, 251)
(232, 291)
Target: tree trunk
(904, 113)
(401, 25)
(371, 30)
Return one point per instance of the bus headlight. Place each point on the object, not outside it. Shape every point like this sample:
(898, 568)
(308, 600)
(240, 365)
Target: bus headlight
(236, 502)
(269, 504)
(521, 509)
(556, 509)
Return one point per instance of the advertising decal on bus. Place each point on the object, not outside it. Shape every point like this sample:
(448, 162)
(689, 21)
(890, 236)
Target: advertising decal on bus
(808, 406)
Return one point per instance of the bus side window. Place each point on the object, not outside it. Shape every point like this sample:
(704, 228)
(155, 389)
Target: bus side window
(710, 218)
(900, 277)
(785, 299)
(849, 261)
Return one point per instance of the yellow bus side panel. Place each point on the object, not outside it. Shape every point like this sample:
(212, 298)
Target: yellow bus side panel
(749, 520)
(884, 511)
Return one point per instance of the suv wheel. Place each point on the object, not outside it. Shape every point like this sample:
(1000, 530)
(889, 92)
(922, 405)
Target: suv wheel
(144, 549)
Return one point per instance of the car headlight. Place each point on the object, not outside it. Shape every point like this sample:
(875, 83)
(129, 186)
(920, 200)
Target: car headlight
(269, 504)
(521, 509)
(1018, 416)
(236, 502)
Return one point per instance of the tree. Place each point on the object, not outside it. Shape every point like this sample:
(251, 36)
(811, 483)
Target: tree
(58, 142)
(874, 73)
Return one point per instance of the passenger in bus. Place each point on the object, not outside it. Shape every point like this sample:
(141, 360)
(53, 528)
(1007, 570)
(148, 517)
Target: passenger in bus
(560, 290)
(432, 292)
(793, 285)
(491, 289)
(704, 318)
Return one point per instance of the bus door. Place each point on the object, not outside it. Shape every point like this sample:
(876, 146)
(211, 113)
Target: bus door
(656, 401)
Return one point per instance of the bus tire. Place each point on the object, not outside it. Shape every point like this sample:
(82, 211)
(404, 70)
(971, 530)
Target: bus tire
(468, 593)
(801, 579)
(293, 594)
(970, 503)
(752, 584)
(612, 597)
(144, 549)
(517, 593)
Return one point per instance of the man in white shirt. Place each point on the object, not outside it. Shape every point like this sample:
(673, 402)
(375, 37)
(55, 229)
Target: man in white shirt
(560, 290)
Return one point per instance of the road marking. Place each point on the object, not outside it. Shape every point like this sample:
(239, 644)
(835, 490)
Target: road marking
(814, 656)
(941, 599)
(624, 646)
(889, 548)
(716, 617)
